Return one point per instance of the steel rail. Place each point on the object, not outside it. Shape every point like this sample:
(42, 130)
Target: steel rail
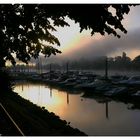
(17, 127)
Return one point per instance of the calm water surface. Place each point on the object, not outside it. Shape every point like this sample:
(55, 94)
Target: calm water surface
(92, 116)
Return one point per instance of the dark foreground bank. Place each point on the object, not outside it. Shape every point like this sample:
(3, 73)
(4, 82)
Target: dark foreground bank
(34, 120)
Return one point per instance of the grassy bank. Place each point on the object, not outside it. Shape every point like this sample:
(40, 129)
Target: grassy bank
(34, 120)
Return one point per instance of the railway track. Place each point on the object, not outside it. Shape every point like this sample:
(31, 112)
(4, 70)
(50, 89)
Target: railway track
(8, 126)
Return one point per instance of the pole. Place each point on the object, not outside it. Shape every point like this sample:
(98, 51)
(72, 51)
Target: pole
(67, 67)
(40, 65)
(106, 68)
(50, 70)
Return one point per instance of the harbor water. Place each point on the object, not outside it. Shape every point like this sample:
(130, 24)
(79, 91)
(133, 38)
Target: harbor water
(94, 116)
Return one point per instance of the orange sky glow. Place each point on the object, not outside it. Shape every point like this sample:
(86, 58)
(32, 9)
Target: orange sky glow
(71, 40)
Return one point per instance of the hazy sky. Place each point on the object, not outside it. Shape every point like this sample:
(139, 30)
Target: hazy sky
(78, 45)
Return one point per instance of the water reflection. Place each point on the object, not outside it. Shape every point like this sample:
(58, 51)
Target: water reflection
(50, 92)
(106, 108)
(67, 98)
(22, 87)
(97, 116)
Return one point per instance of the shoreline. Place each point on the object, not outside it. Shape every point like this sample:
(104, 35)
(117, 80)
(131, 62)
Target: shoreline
(34, 120)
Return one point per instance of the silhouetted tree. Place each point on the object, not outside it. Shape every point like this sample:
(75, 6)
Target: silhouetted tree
(126, 61)
(136, 62)
(122, 62)
(24, 27)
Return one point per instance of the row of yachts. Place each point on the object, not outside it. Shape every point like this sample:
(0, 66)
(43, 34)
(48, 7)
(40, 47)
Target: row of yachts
(115, 85)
